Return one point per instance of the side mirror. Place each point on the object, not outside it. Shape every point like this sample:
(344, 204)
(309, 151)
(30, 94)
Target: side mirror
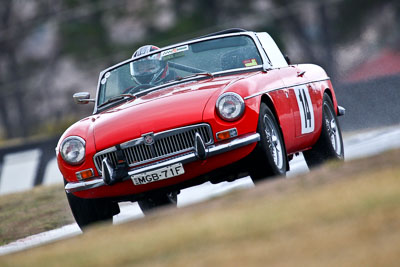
(82, 98)
(288, 60)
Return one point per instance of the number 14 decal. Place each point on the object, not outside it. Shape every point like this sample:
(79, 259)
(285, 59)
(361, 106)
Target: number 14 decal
(306, 109)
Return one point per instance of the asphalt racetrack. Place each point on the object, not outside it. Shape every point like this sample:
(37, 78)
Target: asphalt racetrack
(356, 145)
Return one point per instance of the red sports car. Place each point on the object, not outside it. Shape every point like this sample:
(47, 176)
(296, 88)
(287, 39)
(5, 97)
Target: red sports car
(216, 108)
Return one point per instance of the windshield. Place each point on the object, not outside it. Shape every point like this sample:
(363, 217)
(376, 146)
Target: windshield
(175, 64)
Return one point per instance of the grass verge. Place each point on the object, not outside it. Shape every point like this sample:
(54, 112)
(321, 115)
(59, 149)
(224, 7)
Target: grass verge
(338, 215)
(40, 209)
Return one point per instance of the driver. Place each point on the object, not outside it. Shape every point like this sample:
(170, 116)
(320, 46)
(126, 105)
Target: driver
(150, 70)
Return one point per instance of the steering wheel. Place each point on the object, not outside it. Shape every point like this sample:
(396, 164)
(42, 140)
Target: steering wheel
(138, 88)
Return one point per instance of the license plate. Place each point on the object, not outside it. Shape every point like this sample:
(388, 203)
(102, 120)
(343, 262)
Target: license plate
(159, 174)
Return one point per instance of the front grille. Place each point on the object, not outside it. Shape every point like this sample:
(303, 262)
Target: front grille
(166, 144)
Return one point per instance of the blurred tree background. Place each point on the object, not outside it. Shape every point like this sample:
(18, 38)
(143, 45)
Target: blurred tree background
(50, 49)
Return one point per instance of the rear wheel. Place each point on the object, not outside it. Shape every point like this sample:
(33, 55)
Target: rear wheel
(269, 157)
(330, 143)
(153, 202)
(89, 211)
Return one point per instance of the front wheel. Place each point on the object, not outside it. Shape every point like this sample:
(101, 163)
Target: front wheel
(330, 143)
(151, 203)
(269, 157)
(89, 211)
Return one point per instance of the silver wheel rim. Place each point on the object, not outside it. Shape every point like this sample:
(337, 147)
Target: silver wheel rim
(274, 143)
(332, 128)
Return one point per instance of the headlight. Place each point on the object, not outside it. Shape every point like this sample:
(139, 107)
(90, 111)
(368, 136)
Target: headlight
(73, 150)
(230, 106)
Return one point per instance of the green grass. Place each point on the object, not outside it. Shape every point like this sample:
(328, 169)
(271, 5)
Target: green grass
(338, 215)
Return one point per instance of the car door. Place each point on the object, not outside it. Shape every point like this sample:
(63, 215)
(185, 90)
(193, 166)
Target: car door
(303, 99)
(299, 92)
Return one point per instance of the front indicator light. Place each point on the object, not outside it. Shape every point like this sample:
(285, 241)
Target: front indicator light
(226, 134)
(85, 174)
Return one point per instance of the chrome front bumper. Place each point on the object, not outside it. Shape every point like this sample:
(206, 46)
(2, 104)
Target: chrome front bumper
(210, 151)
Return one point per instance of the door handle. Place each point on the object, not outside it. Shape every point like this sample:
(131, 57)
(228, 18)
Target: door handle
(301, 73)
(286, 93)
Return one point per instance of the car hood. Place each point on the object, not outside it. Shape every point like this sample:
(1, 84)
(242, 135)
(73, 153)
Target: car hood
(164, 109)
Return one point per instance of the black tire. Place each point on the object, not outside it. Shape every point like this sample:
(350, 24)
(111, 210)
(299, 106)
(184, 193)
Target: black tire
(89, 211)
(150, 203)
(269, 157)
(330, 143)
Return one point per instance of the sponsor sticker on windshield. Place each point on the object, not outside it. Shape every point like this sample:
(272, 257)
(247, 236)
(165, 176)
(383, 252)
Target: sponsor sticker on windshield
(250, 62)
(174, 52)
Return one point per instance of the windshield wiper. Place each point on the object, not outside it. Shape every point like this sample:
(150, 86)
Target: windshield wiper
(209, 74)
(116, 99)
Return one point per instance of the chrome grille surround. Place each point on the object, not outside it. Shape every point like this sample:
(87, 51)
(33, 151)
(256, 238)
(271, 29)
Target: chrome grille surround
(166, 144)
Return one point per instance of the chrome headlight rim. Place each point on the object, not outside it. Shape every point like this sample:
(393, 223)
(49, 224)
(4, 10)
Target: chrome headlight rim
(240, 102)
(83, 155)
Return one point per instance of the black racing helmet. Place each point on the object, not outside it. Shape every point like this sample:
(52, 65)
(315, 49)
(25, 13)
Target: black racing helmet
(148, 70)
